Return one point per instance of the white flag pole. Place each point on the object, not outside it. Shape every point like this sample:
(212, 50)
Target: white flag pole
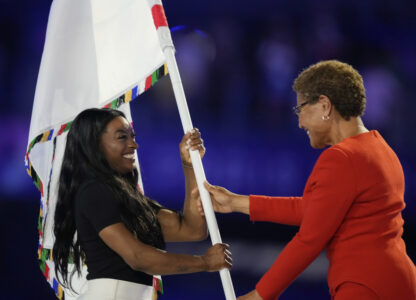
(198, 169)
(169, 51)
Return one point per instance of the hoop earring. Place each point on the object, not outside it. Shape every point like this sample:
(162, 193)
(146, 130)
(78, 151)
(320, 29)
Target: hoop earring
(325, 118)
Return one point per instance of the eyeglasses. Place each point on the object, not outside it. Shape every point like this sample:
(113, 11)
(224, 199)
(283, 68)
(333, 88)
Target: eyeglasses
(297, 109)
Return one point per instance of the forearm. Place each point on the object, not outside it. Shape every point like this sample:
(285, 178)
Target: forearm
(294, 259)
(192, 221)
(155, 261)
(190, 180)
(283, 210)
(143, 257)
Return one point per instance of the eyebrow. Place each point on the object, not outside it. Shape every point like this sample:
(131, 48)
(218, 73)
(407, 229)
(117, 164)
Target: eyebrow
(122, 131)
(129, 130)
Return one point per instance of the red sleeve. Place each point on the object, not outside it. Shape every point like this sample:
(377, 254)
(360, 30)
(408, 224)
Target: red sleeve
(328, 195)
(283, 210)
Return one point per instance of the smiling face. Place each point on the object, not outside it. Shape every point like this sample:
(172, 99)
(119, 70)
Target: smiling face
(310, 119)
(118, 145)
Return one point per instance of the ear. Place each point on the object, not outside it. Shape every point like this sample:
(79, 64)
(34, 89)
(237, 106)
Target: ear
(326, 105)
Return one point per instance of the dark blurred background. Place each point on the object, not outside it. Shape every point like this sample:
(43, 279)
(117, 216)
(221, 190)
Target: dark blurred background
(237, 60)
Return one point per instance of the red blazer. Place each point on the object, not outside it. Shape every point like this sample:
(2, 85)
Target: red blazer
(351, 206)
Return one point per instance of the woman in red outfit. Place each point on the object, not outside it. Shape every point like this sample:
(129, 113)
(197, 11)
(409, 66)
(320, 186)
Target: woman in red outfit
(352, 202)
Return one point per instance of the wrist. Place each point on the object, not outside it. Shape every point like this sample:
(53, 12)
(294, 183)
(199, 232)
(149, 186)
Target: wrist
(233, 202)
(240, 203)
(204, 264)
(187, 165)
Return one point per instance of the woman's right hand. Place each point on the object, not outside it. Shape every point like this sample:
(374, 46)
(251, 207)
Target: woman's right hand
(221, 198)
(217, 257)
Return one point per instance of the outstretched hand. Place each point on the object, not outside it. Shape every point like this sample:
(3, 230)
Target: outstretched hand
(221, 199)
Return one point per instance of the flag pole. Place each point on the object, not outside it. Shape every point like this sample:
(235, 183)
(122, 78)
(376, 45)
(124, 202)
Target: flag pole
(168, 49)
(198, 170)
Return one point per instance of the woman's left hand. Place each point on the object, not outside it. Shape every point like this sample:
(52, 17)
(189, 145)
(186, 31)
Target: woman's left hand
(191, 141)
(253, 295)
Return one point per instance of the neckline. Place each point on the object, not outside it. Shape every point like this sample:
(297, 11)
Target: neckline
(357, 136)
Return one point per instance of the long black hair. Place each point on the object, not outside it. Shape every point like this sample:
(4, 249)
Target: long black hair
(83, 160)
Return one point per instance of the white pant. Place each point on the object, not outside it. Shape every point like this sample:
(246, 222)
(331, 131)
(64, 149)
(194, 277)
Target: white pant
(113, 289)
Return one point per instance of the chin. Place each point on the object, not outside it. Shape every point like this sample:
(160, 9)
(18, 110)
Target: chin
(316, 145)
(125, 170)
(129, 170)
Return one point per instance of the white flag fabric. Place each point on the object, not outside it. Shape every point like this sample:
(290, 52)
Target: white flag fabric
(97, 53)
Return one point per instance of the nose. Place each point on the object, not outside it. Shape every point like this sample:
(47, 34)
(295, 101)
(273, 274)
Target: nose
(133, 144)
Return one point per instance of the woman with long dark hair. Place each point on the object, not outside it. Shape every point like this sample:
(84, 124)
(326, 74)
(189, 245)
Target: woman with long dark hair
(103, 220)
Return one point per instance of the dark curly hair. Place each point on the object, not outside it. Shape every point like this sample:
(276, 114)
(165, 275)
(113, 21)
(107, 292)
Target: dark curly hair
(340, 82)
(84, 160)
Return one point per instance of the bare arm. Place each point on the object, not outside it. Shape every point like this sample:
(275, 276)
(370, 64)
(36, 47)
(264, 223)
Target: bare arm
(190, 226)
(148, 259)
